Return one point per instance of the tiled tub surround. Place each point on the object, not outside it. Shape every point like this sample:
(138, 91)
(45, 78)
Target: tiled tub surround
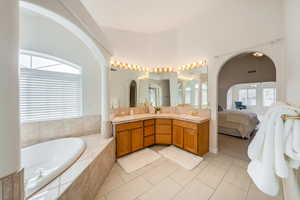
(84, 178)
(11, 187)
(36, 132)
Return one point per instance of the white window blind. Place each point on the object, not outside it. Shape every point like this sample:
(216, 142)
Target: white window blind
(49, 95)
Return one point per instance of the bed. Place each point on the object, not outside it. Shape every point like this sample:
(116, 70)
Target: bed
(237, 123)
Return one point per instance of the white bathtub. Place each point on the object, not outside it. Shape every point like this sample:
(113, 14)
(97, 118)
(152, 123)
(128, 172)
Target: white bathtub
(45, 161)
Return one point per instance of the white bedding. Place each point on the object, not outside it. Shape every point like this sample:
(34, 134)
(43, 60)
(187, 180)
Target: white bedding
(237, 123)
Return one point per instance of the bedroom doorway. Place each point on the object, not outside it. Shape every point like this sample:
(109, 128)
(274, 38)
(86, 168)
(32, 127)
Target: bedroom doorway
(246, 88)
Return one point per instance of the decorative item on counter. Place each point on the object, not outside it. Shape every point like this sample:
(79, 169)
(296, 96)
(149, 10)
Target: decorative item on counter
(157, 110)
(131, 112)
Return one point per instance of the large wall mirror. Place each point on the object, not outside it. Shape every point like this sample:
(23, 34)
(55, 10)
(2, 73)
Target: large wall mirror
(188, 88)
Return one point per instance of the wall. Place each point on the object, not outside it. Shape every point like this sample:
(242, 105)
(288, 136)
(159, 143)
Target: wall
(213, 31)
(42, 35)
(292, 41)
(235, 71)
(292, 32)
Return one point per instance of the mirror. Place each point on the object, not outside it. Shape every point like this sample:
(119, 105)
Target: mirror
(133, 88)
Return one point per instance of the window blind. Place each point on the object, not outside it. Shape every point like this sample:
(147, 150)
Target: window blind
(47, 95)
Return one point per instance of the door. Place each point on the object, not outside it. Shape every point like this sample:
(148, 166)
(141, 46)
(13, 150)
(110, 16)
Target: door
(190, 140)
(123, 143)
(178, 136)
(137, 139)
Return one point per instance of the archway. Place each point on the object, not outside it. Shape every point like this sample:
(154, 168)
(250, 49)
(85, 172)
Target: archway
(246, 75)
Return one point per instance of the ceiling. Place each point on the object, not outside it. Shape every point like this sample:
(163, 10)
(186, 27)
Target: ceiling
(144, 16)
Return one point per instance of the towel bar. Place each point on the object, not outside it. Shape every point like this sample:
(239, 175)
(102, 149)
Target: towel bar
(286, 117)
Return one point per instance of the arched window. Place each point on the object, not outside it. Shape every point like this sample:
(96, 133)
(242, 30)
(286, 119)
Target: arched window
(50, 88)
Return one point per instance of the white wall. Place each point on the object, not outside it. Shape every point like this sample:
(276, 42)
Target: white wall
(292, 37)
(9, 93)
(221, 28)
(42, 35)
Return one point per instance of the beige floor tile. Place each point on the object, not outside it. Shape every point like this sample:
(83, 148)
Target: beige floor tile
(240, 163)
(212, 175)
(227, 191)
(165, 190)
(100, 197)
(130, 190)
(195, 190)
(238, 177)
(222, 161)
(183, 176)
(255, 194)
(112, 182)
(160, 172)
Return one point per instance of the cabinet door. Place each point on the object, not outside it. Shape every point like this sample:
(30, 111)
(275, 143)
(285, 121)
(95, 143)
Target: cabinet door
(137, 139)
(163, 139)
(123, 143)
(178, 136)
(203, 138)
(190, 140)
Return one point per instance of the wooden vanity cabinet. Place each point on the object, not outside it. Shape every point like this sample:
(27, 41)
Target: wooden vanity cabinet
(130, 137)
(163, 131)
(134, 136)
(192, 137)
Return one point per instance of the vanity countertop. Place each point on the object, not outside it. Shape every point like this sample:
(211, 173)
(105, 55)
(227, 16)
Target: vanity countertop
(138, 117)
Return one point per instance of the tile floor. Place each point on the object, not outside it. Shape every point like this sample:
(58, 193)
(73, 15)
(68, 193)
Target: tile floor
(220, 176)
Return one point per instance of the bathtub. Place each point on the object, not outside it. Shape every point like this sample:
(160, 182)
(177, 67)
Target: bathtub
(45, 161)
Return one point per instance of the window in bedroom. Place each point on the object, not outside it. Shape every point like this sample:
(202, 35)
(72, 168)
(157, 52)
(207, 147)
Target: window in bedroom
(269, 96)
(248, 96)
(49, 88)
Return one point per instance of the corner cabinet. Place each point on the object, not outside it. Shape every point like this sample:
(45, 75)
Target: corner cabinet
(133, 136)
(192, 137)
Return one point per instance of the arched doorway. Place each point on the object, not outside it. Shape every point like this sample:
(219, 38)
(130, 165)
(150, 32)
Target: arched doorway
(246, 87)
(133, 94)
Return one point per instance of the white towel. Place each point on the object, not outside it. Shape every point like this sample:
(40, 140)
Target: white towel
(273, 141)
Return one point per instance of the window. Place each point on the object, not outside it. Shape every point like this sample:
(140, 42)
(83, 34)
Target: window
(204, 95)
(49, 89)
(269, 96)
(248, 96)
(196, 97)
(187, 96)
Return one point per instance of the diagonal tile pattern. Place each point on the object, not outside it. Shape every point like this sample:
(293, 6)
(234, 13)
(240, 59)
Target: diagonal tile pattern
(219, 177)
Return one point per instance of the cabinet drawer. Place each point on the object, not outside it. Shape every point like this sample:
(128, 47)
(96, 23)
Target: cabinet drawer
(185, 124)
(163, 139)
(164, 121)
(163, 130)
(148, 130)
(131, 125)
(148, 141)
(149, 122)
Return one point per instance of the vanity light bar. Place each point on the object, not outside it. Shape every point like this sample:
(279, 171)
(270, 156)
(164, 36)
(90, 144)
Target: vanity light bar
(126, 66)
